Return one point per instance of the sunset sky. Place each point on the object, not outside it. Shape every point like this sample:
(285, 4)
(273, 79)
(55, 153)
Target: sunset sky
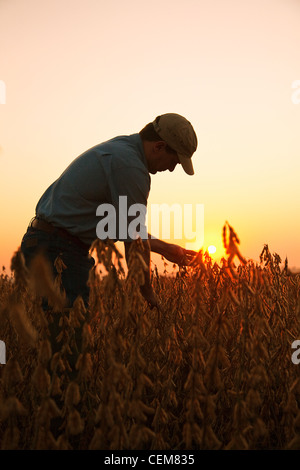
(78, 72)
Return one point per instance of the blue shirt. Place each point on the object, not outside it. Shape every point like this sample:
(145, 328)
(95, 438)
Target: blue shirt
(100, 175)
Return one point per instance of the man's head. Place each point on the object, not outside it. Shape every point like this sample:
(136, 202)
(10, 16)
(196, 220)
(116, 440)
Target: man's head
(168, 140)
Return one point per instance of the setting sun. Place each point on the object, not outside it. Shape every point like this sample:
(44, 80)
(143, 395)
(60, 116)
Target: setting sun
(211, 249)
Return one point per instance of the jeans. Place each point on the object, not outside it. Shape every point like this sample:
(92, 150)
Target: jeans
(76, 258)
(74, 280)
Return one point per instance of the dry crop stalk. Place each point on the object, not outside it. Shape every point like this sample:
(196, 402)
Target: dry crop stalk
(261, 314)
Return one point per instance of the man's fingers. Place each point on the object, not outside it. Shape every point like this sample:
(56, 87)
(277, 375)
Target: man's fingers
(188, 257)
(149, 296)
(153, 305)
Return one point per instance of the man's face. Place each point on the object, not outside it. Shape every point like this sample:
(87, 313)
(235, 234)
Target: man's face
(163, 158)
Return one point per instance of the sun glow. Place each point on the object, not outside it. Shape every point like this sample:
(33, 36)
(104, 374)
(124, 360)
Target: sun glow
(211, 249)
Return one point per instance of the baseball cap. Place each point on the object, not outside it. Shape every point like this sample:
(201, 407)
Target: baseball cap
(179, 134)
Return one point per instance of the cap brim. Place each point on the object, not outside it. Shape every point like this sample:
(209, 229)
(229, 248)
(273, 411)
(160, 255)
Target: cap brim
(186, 164)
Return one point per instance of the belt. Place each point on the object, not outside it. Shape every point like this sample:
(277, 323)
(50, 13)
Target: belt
(41, 224)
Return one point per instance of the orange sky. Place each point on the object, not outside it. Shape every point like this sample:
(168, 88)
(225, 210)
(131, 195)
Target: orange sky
(79, 72)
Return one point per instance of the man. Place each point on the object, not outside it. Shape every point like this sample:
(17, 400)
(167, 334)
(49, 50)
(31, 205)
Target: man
(67, 214)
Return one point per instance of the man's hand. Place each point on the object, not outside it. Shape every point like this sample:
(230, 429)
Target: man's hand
(146, 289)
(173, 253)
(149, 295)
(180, 255)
